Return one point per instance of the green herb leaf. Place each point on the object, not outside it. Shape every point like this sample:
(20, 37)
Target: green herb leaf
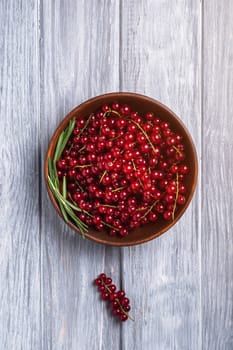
(59, 197)
(63, 139)
(67, 208)
(64, 187)
(51, 170)
(63, 212)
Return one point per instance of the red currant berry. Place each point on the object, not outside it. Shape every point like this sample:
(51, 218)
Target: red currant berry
(123, 232)
(115, 106)
(102, 276)
(149, 116)
(159, 207)
(124, 301)
(113, 296)
(120, 294)
(167, 215)
(101, 288)
(170, 198)
(116, 312)
(97, 282)
(127, 308)
(105, 295)
(62, 164)
(105, 108)
(123, 317)
(108, 281)
(181, 199)
(115, 304)
(182, 188)
(174, 169)
(125, 110)
(112, 287)
(183, 169)
(171, 188)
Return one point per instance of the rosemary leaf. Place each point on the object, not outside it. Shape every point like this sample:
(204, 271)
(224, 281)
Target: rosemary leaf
(59, 197)
(80, 225)
(51, 170)
(64, 187)
(63, 139)
(58, 147)
(63, 212)
(64, 195)
(66, 208)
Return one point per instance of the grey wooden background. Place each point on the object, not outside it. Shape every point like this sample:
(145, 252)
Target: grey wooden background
(54, 55)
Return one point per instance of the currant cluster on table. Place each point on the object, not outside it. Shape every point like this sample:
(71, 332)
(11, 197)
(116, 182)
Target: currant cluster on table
(117, 299)
(123, 169)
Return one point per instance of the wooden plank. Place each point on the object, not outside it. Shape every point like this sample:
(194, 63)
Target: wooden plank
(217, 239)
(79, 59)
(160, 58)
(19, 181)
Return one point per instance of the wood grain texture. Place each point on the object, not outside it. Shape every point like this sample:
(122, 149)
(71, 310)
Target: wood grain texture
(217, 238)
(19, 170)
(54, 55)
(79, 59)
(160, 57)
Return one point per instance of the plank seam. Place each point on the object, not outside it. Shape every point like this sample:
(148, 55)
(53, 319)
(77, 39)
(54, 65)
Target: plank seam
(200, 167)
(120, 89)
(40, 19)
(120, 46)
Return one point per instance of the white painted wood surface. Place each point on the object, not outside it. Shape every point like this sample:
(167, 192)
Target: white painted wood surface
(54, 55)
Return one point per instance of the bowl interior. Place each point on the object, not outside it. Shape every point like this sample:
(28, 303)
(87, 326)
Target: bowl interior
(142, 104)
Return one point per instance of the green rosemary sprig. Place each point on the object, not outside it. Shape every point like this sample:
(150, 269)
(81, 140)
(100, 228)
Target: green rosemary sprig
(67, 208)
(64, 195)
(62, 140)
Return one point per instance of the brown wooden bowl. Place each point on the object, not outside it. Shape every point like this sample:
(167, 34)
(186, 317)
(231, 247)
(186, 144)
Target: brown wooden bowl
(141, 104)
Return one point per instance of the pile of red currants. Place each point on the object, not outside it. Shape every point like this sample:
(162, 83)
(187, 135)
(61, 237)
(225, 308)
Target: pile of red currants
(119, 302)
(123, 169)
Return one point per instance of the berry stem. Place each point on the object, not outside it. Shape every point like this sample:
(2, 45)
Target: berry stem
(176, 149)
(177, 192)
(71, 146)
(144, 133)
(135, 169)
(109, 205)
(118, 189)
(86, 124)
(83, 166)
(134, 166)
(141, 209)
(103, 175)
(103, 222)
(111, 111)
(79, 186)
(118, 301)
(81, 149)
(110, 226)
(149, 210)
(115, 138)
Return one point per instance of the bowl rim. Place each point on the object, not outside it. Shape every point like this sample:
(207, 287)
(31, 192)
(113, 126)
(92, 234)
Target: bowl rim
(64, 122)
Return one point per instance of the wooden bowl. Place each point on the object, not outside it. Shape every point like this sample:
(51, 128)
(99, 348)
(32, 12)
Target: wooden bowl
(141, 104)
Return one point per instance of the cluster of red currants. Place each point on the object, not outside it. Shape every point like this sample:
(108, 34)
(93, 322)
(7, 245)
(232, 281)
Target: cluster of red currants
(119, 302)
(123, 169)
